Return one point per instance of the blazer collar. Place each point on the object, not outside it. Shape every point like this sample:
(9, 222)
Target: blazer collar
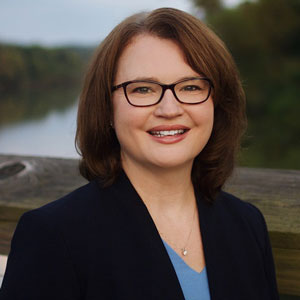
(164, 271)
(211, 245)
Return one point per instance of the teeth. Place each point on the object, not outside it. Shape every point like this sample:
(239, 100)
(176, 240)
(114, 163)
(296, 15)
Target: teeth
(167, 132)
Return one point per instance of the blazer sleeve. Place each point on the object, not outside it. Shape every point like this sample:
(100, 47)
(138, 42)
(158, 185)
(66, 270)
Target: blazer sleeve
(269, 264)
(38, 266)
(268, 256)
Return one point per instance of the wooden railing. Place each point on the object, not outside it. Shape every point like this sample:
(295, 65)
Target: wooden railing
(29, 182)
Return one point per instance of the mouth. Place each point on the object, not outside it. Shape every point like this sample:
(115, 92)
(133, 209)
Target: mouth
(163, 133)
(175, 130)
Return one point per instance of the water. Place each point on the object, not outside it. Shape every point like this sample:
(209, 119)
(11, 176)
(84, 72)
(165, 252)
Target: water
(52, 136)
(43, 128)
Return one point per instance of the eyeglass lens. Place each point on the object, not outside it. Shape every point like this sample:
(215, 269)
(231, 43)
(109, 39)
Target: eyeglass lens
(147, 93)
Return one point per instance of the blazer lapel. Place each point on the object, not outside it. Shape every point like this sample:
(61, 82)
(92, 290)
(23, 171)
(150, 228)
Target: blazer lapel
(163, 276)
(210, 245)
(216, 248)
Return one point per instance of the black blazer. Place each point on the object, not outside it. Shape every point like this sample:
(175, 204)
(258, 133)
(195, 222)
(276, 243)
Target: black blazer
(101, 243)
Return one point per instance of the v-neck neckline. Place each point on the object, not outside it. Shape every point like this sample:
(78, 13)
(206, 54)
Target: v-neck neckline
(133, 205)
(182, 260)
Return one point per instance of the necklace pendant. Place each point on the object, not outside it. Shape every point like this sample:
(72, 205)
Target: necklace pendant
(184, 252)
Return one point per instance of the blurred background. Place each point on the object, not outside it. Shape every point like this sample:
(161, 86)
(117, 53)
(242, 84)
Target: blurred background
(45, 47)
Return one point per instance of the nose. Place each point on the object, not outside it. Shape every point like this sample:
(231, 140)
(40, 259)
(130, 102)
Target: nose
(168, 107)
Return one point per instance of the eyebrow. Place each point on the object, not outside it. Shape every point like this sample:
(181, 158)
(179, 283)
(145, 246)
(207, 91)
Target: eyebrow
(157, 80)
(147, 78)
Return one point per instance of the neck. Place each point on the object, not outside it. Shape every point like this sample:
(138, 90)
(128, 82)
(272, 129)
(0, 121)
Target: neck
(165, 191)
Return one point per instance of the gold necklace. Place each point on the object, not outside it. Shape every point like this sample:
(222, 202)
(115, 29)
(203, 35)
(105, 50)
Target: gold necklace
(183, 250)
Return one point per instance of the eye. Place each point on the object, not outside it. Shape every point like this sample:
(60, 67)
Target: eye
(191, 88)
(142, 90)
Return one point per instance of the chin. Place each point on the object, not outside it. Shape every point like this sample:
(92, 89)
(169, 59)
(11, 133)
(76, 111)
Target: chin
(172, 162)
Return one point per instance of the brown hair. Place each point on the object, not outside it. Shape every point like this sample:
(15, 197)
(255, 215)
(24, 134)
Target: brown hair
(206, 54)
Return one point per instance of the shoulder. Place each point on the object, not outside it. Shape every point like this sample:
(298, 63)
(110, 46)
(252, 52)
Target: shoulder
(230, 204)
(75, 209)
(241, 216)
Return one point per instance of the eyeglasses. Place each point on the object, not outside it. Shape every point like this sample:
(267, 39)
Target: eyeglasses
(143, 93)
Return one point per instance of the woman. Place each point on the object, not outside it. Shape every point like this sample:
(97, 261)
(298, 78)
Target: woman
(159, 122)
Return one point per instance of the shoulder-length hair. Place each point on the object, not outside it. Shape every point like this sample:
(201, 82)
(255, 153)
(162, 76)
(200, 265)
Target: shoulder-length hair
(206, 54)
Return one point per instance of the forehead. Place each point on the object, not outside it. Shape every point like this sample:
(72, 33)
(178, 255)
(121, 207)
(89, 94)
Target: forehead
(148, 56)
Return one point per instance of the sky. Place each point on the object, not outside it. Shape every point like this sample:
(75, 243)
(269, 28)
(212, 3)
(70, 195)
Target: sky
(80, 22)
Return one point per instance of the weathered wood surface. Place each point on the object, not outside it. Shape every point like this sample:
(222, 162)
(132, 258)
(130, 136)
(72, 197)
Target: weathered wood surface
(39, 181)
(277, 194)
(29, 182)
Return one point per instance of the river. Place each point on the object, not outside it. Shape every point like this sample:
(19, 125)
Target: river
(38, 127)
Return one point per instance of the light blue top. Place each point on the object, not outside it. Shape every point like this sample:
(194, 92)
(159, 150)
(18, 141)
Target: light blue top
(193, 284)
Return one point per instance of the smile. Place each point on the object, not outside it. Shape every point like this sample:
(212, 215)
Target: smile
(162, 133)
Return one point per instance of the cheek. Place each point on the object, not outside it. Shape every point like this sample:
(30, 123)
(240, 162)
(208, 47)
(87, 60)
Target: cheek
(118, 116)
(209, 119)
(204, 122)
(127, 116)
(120, 110)
(128, 120)
(205, 115)
(209, 122)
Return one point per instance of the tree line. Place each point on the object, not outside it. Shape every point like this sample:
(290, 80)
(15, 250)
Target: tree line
(263, 37)
(35, 80)
(36, 67)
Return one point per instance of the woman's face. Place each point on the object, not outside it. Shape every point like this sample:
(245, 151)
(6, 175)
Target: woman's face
(152, 136)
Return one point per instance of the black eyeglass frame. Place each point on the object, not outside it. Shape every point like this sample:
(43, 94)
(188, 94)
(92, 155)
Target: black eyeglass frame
(164, 88)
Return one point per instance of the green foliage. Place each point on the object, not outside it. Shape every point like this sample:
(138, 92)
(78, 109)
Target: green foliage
(263, 37)
(34, 67)
(35, 81)
(210, 6)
